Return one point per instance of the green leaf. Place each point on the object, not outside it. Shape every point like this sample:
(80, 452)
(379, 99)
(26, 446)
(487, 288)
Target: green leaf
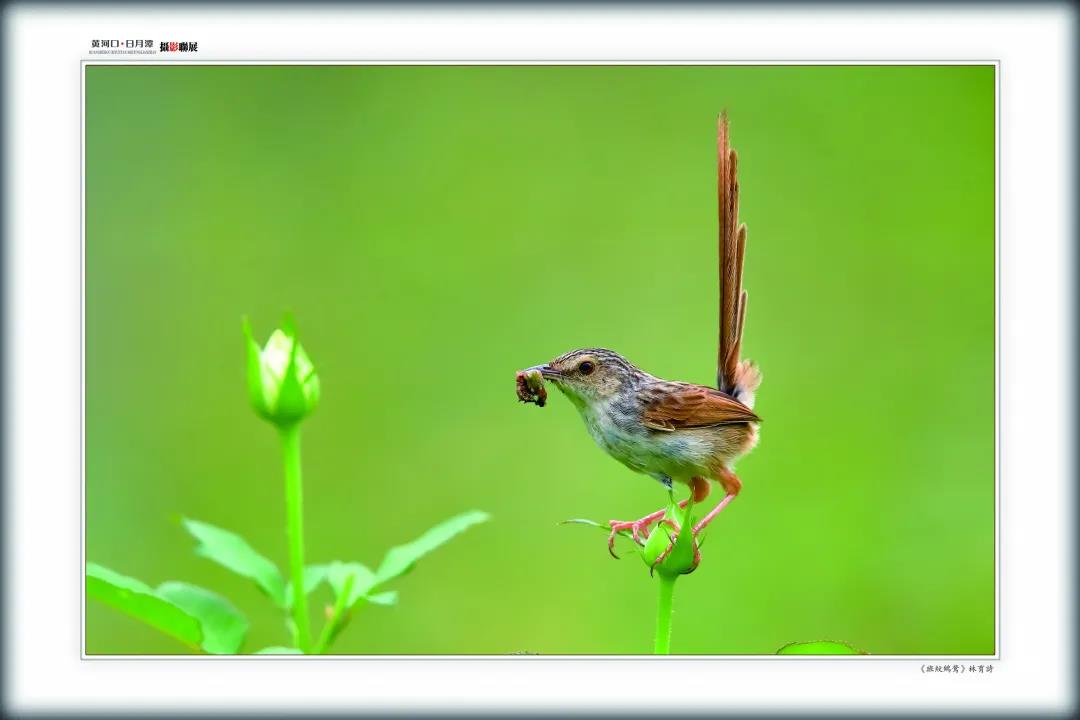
(399, 560)
(223, 627)
(606, 529)
(278, 650)
(140, 601)
(363, 580)
(314, 575)
(586, 521)
(821, 647)
(233, 552)
(384, 598)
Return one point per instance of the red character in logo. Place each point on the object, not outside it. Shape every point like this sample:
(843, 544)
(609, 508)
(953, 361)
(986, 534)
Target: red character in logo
(173, 47)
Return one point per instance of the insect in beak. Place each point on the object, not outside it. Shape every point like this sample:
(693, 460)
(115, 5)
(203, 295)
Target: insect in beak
(547, 371)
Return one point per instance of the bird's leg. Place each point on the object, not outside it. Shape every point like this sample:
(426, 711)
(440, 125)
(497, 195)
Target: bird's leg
(695, 530)
(638, 528)
(732, 485)
(699, 489)
(731, 489)
(713, 513)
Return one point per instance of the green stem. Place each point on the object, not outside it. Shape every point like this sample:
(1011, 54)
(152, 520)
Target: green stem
(330, 628)
(663, 614)
(294, 508)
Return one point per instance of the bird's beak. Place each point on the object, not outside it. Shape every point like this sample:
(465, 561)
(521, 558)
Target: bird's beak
(548, 372)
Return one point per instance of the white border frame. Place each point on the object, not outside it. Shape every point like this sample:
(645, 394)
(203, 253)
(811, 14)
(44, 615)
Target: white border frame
(1035, 43)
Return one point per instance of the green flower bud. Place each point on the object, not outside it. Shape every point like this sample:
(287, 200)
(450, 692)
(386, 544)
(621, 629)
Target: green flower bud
(681, 558)
(658, 542)
(282, 382)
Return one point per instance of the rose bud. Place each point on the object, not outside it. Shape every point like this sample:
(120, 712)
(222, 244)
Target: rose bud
(282, 383)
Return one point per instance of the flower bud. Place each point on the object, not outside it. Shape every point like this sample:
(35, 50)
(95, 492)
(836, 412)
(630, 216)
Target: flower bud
(282, 382)
(680, 560)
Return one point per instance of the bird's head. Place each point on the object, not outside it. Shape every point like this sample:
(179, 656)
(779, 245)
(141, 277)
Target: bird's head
(590, 375)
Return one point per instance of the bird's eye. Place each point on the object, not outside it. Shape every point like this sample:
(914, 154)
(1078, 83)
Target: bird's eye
(586, 367)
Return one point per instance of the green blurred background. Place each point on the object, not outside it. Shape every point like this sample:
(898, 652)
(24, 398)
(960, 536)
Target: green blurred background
(436, 228)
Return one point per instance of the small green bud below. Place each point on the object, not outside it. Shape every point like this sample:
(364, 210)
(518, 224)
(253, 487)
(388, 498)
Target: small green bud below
(282, 383)
(681, 559)
(658, 542)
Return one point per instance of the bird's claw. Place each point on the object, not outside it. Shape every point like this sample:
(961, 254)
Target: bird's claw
(639, 529)
(611, 546)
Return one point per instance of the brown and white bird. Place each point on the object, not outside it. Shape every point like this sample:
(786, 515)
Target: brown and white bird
(676, 432)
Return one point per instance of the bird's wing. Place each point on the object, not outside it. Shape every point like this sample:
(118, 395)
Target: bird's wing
(732, 248)
(671, 406)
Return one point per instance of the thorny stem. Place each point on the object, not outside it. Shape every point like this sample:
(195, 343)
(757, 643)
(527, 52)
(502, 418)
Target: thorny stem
(662, 645)
(294, 507)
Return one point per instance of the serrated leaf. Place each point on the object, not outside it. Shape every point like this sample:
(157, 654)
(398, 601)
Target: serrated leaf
(140, 601)
(278, 650)
(820, 647)
(399, 560)
(314, 575)
(223, 627)
(363, 580)
(233, 552)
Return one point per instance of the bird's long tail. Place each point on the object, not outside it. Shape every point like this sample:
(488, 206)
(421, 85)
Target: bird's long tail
(739, 378)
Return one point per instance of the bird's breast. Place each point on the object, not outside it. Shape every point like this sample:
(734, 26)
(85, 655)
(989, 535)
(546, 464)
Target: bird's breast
(618, 430)
(613, 429)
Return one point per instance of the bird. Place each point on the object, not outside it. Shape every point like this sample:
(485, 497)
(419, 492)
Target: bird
(679, 433)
